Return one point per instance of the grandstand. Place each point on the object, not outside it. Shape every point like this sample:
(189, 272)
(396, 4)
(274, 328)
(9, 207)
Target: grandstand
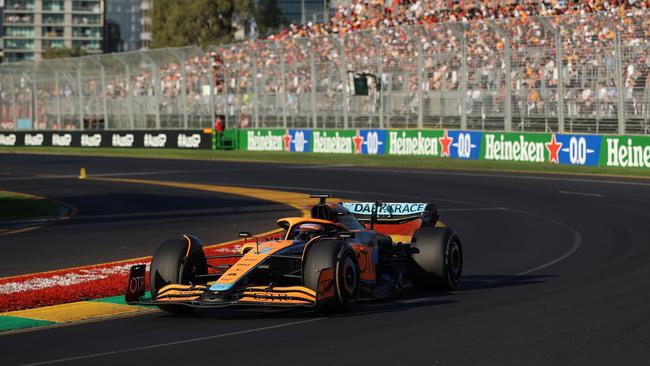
(580, 66)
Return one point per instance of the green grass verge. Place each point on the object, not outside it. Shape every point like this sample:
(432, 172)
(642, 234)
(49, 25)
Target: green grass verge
(16, 206)
(8, 323)
(356, 160)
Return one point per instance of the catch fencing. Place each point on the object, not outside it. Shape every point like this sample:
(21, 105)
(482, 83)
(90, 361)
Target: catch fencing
(587, 74)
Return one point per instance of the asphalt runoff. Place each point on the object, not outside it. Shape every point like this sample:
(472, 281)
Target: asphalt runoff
(556, 267)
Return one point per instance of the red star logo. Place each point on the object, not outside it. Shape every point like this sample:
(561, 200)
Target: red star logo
(553, 150)
(358, 140)
(287, 141)
(445, 142)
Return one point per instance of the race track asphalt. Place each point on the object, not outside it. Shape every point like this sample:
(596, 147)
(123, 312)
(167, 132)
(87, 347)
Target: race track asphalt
(556, 267)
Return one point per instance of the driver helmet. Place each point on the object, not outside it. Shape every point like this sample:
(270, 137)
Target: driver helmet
(311, 230)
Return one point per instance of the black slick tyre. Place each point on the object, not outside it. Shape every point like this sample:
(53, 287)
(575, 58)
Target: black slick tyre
(176, 261)
(335, 256)
(437, 261)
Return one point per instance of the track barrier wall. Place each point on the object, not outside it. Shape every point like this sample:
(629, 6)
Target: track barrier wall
(185, 139)
(554, 148)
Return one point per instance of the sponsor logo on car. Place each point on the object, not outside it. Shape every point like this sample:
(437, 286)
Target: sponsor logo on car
(93, 140)
(192, 141)
(34, 139)
(7, 139)
(151, 140)
(61, 139)
(389, 208)
(118, 140)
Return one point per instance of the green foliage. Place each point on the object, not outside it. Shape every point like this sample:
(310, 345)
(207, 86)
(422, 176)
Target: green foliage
(178, 23)
(61, 52)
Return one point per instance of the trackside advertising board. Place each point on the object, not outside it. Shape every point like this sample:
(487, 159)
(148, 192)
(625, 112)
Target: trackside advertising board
(550, 148)
(565, 149)
(192, 139)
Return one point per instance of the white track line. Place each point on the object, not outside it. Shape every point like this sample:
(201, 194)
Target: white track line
(515, 175)
(582, 194)
(175, 343)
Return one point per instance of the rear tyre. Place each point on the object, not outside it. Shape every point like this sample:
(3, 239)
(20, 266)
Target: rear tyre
(438, 263)
(335, 256)
(178, 261)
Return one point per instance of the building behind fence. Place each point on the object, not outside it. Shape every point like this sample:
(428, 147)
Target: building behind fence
(587, 73)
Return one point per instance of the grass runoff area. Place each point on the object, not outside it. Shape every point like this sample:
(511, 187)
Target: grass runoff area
(16, 206)
(384, 161)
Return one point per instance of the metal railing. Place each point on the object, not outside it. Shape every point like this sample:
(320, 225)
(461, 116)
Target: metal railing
(587, 73)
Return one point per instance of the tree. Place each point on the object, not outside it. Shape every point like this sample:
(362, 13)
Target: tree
(61, 52)
(267, 16)
(197, 22)
(178, 23)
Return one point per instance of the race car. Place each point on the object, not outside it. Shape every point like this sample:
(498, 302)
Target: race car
(343, 253)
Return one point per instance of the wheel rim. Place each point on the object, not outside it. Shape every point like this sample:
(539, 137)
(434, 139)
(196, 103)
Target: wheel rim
(455, 261)
(349, 274)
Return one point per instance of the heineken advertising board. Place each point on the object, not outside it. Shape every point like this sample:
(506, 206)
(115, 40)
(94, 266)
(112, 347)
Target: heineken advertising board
(565, 149)
(625, 151)
(360, 141)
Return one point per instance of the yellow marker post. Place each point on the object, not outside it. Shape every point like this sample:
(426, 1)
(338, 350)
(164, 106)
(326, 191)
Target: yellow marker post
(82, 173)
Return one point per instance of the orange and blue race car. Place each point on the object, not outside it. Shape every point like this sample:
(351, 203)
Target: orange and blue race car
(344, 253)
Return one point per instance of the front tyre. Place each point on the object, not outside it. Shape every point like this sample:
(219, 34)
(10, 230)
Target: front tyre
(438, 260)
(330, 268)
(177, 261)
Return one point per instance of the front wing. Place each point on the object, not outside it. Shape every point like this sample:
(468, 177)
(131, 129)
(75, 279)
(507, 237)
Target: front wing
(201, 296)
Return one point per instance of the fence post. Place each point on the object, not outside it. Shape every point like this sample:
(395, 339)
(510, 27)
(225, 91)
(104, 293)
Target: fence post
(420, 71)
(559, 56)
(621, 84)
(344, 79)
(379, 80)
(560, 82)
(102, 79)
(129, 95)
(157, 91)
(283, 77)
(14, 107)
(183, 87)
(80, 93)
(314, 80)
(463, 77)
(508, 61)
(58, 99)
(256, 116)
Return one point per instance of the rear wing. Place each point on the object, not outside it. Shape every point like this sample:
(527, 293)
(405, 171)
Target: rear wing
(394, 212)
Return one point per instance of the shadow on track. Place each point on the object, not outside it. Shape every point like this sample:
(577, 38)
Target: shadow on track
(415, 299)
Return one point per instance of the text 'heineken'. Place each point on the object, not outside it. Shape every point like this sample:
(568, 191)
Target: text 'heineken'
(400, 144)
(513, 149)
(627, 155)
(332, 144)
(268, 142)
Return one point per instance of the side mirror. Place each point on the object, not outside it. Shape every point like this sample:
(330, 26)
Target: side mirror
(245, 234)
(346, 235)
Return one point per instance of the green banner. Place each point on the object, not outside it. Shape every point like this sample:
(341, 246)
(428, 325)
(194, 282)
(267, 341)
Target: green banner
(334, 141)
(262, 140)
(414, 142)
(625, 151)
(526, 147)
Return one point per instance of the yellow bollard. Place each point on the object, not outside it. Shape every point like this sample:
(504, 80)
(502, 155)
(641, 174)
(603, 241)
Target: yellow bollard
(82, 173)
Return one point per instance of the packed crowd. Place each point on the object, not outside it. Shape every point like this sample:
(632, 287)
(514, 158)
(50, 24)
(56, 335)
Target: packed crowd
(372, 35)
